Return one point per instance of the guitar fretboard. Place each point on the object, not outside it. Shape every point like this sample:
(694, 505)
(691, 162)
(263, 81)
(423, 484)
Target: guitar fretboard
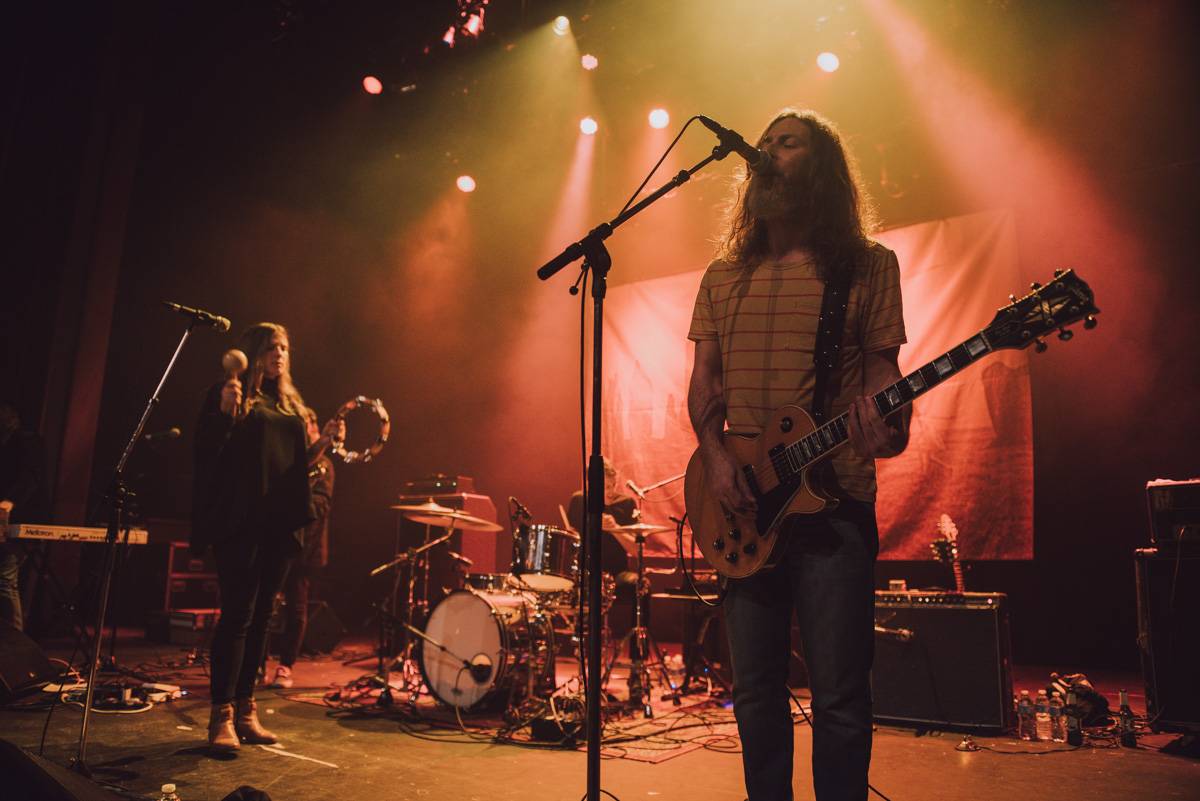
(789, 461)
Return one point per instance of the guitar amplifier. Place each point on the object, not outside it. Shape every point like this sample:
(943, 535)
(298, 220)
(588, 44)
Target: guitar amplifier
(1168, 605)
(943, 660)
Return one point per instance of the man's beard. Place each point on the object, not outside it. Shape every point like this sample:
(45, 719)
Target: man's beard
(772, 196)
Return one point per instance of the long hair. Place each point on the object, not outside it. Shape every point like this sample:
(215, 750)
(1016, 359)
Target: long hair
(838, 216)
(255, 342)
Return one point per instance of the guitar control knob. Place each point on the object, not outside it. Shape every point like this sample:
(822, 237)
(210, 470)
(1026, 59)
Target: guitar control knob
(719, 544)
(750, 548)
(735, 534)
(731, 557)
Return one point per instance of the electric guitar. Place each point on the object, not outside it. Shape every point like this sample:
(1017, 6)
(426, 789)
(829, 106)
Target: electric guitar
(778, 463)
(945, 550)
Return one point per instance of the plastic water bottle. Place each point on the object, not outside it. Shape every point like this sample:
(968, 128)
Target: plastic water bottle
(1074, 720)
(1058, 725)
(1041, 716)
(1025, 728)
(1128, 735)
(168, 793)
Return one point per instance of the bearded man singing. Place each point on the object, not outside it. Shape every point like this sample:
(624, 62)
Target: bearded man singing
(798, 224)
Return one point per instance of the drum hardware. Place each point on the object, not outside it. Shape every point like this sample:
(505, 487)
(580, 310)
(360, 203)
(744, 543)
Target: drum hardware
(641, 643)
(544, 557)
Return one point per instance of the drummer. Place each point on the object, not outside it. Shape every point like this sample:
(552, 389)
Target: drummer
(619, 510)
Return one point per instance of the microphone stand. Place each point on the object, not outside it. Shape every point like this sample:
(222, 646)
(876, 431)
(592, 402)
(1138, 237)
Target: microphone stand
(597, 259)
(117, 495)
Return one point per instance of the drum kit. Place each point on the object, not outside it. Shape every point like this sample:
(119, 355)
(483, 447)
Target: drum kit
(491, 643)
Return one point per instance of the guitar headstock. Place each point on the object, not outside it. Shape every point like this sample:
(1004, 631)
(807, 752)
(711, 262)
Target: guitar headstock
(1024, 321)
(945, 548)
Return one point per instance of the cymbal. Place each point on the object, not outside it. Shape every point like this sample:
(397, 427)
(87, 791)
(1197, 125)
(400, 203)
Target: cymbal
(434, 514)
(641, 528)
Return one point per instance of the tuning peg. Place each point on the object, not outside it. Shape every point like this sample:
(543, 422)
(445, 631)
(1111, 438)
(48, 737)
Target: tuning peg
(1035, 286)
(1089, 322)
(1058, 273)
(1065, 334)
(1012, 298)
(1040, 345)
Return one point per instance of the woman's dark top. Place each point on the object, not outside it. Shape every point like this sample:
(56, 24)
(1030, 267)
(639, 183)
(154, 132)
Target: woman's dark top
(251, 474)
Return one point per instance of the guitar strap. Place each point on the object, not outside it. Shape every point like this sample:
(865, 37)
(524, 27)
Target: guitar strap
(827, 352)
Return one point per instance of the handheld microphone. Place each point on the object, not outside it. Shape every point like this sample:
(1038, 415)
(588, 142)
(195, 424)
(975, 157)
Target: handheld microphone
(171, 433)
(759, 160)
(200, 316)
(636, 489)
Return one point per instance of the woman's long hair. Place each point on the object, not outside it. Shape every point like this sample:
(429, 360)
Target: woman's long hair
(837, 216)
(255, 342)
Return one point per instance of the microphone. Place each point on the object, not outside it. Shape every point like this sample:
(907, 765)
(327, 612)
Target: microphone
(171, 433)
(636, 489)
(200, 316)
(480, 667)
(759, 160)
(521, 511)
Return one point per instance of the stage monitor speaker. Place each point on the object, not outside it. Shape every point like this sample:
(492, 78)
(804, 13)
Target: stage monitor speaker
(23, 665)
(1168, 605)
(943, 660)
(32, 778)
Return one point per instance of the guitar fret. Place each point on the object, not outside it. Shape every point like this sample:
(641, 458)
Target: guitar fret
(943, 366)
(976, 346)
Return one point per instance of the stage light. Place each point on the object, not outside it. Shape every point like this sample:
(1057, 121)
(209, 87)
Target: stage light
(372, 85)
(828, 61)
(474, 24)
(589, 126)
(562, 25)
(589, 62)
(448, 36)
(659, 118)
(465, 183)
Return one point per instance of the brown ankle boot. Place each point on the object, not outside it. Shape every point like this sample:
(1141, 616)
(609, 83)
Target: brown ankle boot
(221, 734)
(247, 725)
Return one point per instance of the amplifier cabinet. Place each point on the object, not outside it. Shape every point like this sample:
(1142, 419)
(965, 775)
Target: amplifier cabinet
(1168, 606)
(943, 660)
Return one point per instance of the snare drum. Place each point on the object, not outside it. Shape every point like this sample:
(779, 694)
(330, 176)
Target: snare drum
(489, 582)
(544, 558)
(508, 642)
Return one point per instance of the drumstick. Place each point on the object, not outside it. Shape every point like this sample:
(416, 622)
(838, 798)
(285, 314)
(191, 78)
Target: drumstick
(565, 519)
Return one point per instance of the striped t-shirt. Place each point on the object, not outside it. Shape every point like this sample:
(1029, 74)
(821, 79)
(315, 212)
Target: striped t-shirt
(765, 320)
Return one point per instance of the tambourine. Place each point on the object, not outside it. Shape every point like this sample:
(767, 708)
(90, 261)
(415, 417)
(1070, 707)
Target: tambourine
(385, 426)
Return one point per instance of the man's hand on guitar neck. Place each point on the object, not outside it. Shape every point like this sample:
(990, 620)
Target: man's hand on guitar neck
(870, 435)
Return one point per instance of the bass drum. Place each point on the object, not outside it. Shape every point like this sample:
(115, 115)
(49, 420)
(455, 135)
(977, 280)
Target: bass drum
(507, 641)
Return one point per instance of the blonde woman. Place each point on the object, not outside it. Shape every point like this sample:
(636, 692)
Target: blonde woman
(251, 501)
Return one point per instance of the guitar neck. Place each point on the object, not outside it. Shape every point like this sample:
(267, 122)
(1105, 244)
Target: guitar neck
(832, 435)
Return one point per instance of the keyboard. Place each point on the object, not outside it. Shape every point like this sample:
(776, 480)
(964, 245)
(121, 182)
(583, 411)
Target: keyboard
(32, 531)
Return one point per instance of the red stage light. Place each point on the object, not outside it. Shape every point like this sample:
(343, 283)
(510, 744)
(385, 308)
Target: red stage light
(589, 62)
(372, 85)
(659, 118)
(828, 61)
(465, 183)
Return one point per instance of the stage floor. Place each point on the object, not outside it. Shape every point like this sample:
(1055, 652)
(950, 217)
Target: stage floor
(333, 754)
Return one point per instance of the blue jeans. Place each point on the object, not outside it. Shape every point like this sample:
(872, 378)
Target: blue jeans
(827, 576)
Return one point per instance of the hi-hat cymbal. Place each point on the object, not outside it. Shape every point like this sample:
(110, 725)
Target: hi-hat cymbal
(641, 528)
(434, 514)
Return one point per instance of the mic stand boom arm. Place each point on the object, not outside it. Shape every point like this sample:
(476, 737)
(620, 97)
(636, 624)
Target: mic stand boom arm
(596, 258)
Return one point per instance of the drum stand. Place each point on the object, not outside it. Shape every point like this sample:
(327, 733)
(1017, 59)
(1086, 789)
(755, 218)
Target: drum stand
(641, 646)
(417, 561)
